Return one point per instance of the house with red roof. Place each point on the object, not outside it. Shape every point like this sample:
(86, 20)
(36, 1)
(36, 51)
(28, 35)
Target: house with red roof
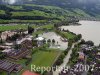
(27, 72)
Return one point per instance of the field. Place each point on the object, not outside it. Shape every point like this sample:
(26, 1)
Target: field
(2, 12)
(69, 35)
(12, 27)
(22, 26)
(44, 58)
(40, 59)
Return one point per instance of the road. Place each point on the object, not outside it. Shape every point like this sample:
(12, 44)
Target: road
(65, 61)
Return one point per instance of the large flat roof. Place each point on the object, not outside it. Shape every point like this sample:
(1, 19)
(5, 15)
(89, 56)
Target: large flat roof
(7, 65)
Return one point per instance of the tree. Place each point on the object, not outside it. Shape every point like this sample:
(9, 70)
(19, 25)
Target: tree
(13, 38)
(2, 55)
(37, 35)
(82, 41)
(91, 43)
(44, 41)
(48, 40)
(30, 30)
(17, 46)
(70, 43)
(79, 36)
(53, 41)
(1, 41)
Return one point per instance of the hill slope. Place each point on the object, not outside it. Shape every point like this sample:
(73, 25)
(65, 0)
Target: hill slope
(35, 13)
(92, 7)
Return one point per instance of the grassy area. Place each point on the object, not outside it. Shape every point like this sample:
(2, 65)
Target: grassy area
(33, 13)
(12, 27)
(26, 21)
(49, 26)
(2, 12)
(22, 26)
(48, 56)
(68, 35)
(40, 58)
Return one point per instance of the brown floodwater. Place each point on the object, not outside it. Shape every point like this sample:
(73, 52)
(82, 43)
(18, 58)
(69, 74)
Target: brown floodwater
(90, 30)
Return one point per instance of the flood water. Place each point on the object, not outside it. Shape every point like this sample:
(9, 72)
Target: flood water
(58, 42)
(90, 30)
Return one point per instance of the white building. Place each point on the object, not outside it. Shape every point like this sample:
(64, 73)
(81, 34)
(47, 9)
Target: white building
(39, 41)
(28, 37)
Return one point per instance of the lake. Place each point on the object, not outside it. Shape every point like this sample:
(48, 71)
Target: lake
(90, 30)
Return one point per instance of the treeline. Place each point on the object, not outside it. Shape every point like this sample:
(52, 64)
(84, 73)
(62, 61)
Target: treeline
(5, 8)
(67, 22)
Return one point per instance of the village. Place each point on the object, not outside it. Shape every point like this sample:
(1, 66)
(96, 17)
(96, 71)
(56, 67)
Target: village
(21, 48)
(85, 60)
(19, 44)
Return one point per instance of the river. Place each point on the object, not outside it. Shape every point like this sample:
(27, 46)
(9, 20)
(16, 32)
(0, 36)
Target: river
(90, 30)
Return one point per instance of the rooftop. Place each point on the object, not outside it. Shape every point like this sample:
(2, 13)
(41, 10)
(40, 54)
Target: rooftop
(29, 73)
(40, 38)
(8, 65)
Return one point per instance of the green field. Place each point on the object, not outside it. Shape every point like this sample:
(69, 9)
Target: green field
(22, 26)
(41, 59)
(12, 27)
(2, 12)
(68, 35)
(31, 12)
(44, 58)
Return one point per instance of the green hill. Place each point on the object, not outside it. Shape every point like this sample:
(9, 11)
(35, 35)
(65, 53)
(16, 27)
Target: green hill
(36, 13)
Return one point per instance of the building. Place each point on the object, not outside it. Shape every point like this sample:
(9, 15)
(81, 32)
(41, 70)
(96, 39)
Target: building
(29, 73)
(81, 56)
(98, 56)
(9, 44)
(77, 69)
(23, 51)
(18, 54)
(4, 47)
(96, 70)
(7, 51)
(28, 37)
(6, 34)
(9, 66)
(39, 41)
(27, 44)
